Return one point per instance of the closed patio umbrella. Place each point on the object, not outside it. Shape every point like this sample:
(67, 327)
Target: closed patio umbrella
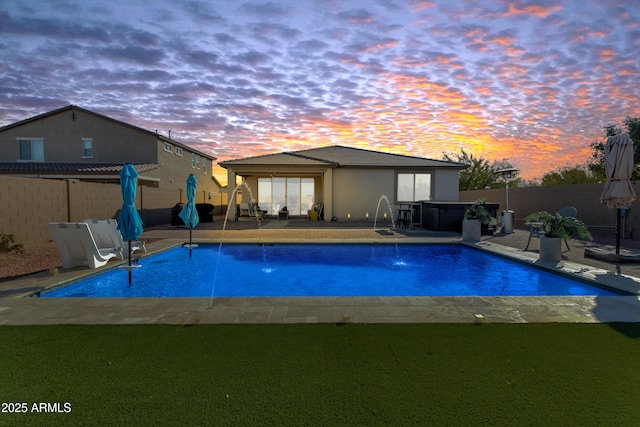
(129, 221)
(618, 192)
(189, 213)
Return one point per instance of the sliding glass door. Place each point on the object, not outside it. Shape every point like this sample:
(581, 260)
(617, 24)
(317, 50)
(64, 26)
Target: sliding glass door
(297, 194)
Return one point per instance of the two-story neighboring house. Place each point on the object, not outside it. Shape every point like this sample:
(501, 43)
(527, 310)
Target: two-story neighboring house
(75, 143)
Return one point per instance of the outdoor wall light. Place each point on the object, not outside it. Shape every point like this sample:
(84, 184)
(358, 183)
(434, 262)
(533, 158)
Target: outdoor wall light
(349, 216)
(367, 216)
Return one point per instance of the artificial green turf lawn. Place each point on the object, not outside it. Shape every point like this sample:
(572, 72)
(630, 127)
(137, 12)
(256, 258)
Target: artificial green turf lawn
(247, 375)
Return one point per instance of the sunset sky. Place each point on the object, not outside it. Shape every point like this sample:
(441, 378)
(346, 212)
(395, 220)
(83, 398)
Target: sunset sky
(531, 81)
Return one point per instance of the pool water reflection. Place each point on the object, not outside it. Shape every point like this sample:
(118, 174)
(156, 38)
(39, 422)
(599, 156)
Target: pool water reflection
(286, 270)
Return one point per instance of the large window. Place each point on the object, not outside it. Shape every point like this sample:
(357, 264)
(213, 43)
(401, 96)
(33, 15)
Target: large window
(413, 187)
(31, 150)
(297, 194)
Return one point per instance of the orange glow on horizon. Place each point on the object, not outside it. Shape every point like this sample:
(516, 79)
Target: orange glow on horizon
(429, 118)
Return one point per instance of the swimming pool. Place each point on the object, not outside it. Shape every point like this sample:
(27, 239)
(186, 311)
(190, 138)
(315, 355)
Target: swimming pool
(252, 270)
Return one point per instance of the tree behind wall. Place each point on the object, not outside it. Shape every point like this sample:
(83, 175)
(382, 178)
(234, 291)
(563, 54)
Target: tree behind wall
(579, 174)
(481, 174)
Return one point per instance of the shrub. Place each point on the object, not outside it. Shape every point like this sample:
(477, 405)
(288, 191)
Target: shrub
(7, 244)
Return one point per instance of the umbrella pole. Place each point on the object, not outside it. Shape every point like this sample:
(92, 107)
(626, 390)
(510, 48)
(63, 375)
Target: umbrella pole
(129, 262)
(190, 245)
(618, 231)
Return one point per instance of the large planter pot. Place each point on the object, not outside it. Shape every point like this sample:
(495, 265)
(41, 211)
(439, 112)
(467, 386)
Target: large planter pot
(550, 249)
(471, 230)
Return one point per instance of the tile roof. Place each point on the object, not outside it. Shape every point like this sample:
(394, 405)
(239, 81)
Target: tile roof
(45, 167)
(278, 159)
(341, 156)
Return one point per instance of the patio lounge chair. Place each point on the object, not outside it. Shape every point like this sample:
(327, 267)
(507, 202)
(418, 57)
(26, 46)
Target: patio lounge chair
(77, 246)
(106, 235)
(535, 231)
(255, 211)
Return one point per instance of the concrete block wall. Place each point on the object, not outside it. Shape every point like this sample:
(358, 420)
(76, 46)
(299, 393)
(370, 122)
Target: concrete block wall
(26, 204)
(584, 197)
(157, 198)
(91, 200)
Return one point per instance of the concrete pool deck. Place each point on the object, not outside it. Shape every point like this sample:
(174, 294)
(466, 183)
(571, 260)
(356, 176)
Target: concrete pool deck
(16, 309)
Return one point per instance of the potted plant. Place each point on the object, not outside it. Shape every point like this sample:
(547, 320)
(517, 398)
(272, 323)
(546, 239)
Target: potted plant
(555, 228)
(475, 217)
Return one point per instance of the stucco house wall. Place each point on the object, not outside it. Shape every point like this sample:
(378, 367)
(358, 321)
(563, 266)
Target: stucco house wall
(357, 191)
(445, 184)
(63, 135)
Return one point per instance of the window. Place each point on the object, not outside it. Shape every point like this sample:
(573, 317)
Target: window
(204, 165)
(297, 194)
(197, 162)
(87, 147)
(178, 151)
(413, 187)
(31, 149)
(193, 160)
(168, 147)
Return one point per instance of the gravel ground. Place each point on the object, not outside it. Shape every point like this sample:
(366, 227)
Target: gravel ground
(34, 259)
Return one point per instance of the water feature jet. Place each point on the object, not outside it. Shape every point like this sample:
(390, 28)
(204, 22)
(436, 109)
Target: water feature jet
(375, 221)
(231, 199)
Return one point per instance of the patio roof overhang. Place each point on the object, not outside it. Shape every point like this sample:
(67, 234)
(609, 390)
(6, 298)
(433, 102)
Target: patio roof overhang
(91, 172)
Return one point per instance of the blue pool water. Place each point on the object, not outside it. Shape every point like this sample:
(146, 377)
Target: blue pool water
(251, 270)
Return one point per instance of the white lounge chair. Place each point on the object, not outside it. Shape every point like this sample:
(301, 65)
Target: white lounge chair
(77, 246)
(106, 234)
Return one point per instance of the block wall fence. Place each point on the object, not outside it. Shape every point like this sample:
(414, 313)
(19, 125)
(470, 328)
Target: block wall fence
(28, 204)
(584, 197)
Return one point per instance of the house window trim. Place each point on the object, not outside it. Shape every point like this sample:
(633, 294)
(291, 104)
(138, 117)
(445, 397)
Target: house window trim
(178, 151)
(414, 173)
(84, 148)
(167, 147)
(30, 139)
